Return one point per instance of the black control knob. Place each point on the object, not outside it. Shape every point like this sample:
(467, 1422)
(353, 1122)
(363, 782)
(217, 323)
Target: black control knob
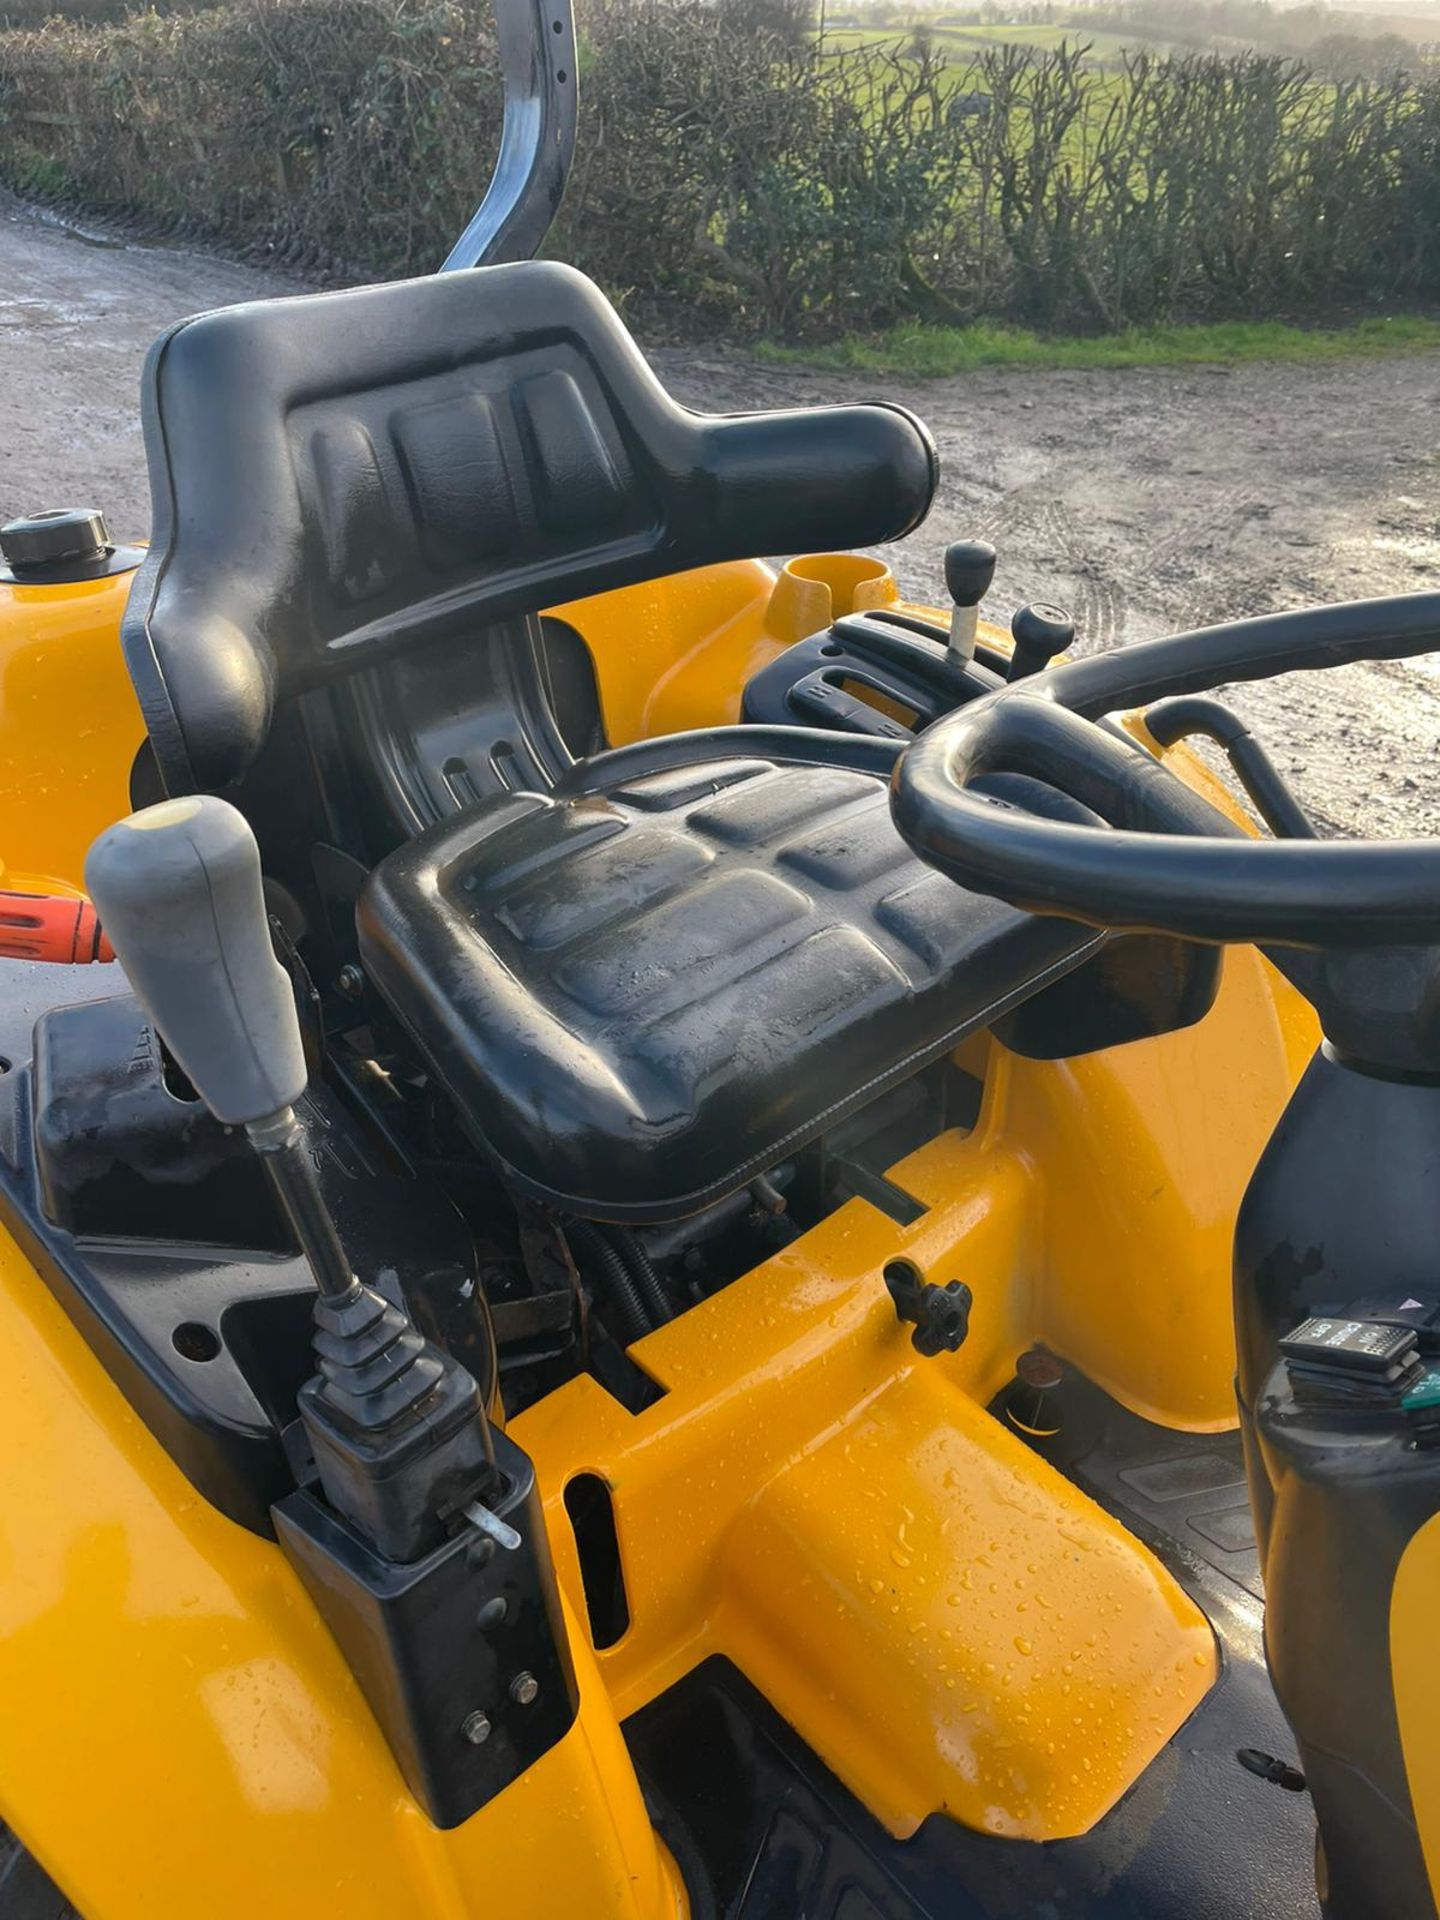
(61, 535)
(969, 569)
(1039, 634)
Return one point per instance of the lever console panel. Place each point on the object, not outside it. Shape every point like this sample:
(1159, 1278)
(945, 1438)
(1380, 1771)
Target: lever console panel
(880, 673)
(158, 1232)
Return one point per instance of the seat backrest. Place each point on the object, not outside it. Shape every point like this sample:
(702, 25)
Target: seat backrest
(340, 478)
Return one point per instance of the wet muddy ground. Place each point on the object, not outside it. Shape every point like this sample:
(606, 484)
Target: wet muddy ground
(1144, 501)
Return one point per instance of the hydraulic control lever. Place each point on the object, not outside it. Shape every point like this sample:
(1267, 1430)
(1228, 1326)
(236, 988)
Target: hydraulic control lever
(423, 1547)
(969, 570)
(1168, 721)
(399, 1434)
(1039, 634)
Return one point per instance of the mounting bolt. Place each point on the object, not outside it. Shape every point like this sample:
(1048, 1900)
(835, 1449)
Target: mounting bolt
(523, 1689)
(492, 1613)
(350, 981)
(476, 1728)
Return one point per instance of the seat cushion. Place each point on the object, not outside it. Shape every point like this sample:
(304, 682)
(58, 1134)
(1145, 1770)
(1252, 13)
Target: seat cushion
(641, 999)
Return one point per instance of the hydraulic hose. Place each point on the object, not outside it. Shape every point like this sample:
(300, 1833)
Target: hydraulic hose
(642, 1273)
(621, 1293)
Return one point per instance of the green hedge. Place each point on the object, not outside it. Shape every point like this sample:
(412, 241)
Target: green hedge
(755, 181)
(354, 130)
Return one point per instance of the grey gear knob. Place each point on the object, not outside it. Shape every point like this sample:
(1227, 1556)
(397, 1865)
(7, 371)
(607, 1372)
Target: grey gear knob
(177, 887)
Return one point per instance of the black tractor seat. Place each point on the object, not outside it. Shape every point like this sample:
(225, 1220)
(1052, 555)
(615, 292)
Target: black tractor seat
(342, 481)
(364, 501)
(640, 998)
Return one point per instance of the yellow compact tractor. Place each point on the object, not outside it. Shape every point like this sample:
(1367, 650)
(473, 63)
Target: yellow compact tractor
(629, 1301)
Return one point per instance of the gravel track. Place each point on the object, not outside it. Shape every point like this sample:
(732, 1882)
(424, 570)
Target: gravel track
(1143, 500)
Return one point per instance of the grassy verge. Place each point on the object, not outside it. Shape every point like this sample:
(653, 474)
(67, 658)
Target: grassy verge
(923, 352)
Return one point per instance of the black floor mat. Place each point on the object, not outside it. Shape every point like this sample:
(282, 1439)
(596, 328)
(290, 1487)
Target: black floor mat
(1185, 1493)
(1198, 1838)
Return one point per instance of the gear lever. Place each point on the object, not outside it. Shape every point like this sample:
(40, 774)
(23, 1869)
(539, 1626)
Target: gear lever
(423, 1547)
(1039, 634)
(969, 569)
(400, 1438)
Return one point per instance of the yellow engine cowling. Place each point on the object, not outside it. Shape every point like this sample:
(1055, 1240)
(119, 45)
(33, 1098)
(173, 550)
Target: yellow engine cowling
(759, 1513)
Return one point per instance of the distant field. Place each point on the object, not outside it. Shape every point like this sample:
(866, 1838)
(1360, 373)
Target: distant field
(961, 47)
(960, 43)
(1103, 46)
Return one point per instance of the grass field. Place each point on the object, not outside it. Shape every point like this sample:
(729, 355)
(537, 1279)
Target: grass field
(961, 43)
(1104, 78)
(919, 352)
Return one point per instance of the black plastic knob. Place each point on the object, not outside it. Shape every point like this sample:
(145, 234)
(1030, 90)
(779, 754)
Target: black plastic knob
(1039, 634)
(969, 569)
(45, 540)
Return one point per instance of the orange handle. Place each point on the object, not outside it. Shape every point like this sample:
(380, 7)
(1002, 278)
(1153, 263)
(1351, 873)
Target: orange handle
(43, 926)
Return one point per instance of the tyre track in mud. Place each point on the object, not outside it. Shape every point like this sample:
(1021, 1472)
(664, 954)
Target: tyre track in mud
(1144, 500)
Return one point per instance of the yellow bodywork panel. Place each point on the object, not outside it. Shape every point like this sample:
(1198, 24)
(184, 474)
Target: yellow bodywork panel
(673, 654)
(70, 727)
(176, 1716)
(1144, 1152)
(1415, 1683)
(955, 1626)
(950, 1624)
(845, 1521)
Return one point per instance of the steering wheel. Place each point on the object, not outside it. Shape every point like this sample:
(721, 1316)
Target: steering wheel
(1167, 862)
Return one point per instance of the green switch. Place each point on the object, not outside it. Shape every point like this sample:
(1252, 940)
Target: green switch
(1424, 1393)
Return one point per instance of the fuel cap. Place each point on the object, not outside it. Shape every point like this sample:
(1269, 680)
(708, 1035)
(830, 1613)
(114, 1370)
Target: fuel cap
(49, 539)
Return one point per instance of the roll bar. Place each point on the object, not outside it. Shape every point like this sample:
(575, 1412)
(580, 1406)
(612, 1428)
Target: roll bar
(537, 138)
